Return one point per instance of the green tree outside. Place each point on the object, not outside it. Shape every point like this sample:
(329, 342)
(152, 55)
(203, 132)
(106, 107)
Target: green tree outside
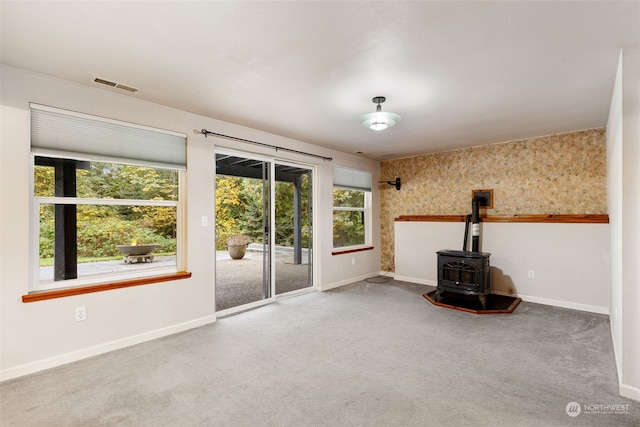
(102, 227)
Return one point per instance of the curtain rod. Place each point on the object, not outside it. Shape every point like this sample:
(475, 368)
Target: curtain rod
(262, 144)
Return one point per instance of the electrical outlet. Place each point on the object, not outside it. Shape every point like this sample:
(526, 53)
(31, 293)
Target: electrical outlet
(531, 274)
(353, 261)
(81, 314)
(204, 221)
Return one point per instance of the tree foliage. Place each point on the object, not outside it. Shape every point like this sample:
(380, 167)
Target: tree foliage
(102, 227)
(230, 208)
(241, 204)
(240, 207)
(348, 225)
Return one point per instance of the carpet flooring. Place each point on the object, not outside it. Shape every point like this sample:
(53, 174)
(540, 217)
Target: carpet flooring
(366, 354)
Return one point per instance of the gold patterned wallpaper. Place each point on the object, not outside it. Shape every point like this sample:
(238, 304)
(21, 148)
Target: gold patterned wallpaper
(558, 174)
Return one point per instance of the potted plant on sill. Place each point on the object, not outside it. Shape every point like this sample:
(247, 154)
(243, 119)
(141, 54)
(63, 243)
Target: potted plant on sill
(237, 245)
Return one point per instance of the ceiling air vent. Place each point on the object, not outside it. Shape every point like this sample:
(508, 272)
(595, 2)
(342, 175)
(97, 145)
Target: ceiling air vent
(104, 82)
(129, 88)
(114, 84)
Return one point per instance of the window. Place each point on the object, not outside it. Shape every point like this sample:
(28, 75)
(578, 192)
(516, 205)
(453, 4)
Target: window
(351, 208)
(348, 218)
(99, 217)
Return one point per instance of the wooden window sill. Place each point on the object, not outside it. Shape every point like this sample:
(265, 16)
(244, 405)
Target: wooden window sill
(551, 218)
(350, 251)
(61, 293)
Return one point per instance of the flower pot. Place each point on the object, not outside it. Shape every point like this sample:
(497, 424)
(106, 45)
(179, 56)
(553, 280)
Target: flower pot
(237, 251)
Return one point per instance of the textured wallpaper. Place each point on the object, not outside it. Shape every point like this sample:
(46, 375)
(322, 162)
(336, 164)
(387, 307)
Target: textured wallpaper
(559, 174)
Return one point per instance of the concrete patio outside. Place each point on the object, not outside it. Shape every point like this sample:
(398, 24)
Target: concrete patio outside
(240, 281)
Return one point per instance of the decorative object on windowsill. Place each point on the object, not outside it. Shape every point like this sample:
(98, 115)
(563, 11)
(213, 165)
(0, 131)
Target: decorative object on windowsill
(379, 120)
(237, 245)
(137, 252)
(397, 183)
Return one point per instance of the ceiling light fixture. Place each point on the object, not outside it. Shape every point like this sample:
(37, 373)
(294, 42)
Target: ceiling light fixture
(379, 120)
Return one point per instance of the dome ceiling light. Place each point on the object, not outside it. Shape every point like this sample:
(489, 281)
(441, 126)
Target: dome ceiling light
(379, 120)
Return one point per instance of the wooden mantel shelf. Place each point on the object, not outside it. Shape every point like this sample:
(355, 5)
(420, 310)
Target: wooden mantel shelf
(567, 219)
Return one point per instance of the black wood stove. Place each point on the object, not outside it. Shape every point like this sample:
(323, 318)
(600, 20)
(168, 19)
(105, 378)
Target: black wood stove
(465, 272)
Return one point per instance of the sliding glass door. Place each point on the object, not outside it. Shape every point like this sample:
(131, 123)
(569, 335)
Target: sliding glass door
(293, 228)
(243, 258)
(253, 197)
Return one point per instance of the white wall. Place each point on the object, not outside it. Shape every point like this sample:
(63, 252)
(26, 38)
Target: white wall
(630, 383)
(570, 261)
(623, 143)
(614, 192)
(38, 335)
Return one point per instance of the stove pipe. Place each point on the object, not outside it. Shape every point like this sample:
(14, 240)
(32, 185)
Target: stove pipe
(467, 220)
(475, 226)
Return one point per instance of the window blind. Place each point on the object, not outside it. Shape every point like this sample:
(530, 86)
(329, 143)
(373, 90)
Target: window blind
(351, 179)
(63, 133)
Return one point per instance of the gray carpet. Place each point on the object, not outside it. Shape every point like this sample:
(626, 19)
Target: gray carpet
(367, 354)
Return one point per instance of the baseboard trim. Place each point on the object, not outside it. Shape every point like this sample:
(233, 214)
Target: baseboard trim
(629, 392)
(417, 281)
(74, 356)
(616, 355)
(528, 298)
(565, 304)
(348, 281)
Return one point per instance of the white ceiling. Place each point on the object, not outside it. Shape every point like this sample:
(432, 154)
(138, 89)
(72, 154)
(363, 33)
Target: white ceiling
(459, 73)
